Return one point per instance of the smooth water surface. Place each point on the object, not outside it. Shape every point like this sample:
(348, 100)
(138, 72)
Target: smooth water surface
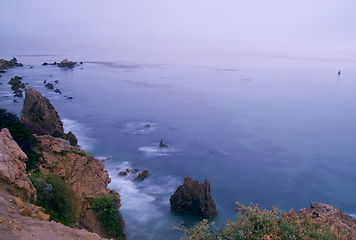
(272, 131)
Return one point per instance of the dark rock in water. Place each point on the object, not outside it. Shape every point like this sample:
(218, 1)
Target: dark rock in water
(161, 144)
(81, 63)
(0, 75)
(9, 64)
(128, 171)
(70, 98)
(193, 198)
(39, 111)
(72, 139)
(49, 86)
(16, 85)
(16, 101)
(58, 91)
(336, 219)
(56, 81)
(45, 81)
(142, 175)
(2, 71)
(45, 64)
(31, 66)
(66, 63)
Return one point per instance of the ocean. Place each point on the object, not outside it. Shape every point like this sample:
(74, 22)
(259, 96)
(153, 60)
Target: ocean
(272, 131)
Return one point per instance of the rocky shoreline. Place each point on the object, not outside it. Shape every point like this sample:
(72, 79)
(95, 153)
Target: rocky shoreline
(88, 178)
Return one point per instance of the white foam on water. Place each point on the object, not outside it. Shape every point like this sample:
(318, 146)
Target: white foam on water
(353, 215)
(79, 131)
(136, 202)
(156, 150)
(139, 127)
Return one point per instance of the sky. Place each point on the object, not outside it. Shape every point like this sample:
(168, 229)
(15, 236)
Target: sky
(302, 28)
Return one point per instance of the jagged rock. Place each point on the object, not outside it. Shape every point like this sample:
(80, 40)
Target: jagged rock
(128, 171)
(193, 198)
(39, 111)
(58, 91)
(338, 221)
(49, 86)
(142, 175)
(16, 84)
(56, 81)
(72, 139)
(13, 177)
(19, 220)
(81, 171)
(9, 64)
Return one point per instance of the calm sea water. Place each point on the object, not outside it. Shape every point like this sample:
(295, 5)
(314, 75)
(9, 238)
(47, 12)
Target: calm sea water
(272, 131)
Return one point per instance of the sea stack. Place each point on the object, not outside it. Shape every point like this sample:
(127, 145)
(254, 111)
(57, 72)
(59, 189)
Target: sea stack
(193, 198)
(40, 116)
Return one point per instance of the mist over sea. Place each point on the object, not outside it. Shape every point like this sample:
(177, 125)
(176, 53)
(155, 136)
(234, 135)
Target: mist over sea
(273, 131)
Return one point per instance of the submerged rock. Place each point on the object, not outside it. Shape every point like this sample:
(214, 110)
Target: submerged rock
(38, 111)
(142, 175)
(49, 86)
(58, 91)
(193, 198)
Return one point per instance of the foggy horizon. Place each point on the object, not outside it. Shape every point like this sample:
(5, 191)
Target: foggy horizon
(312, 29)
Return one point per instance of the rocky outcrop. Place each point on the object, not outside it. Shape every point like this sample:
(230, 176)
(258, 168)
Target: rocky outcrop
(193, 198)
(17, 85)
(83, 173)
(38, 112)
(19, 220)
(64, 64)
(9, 64)
(13, 177)
(338, 221)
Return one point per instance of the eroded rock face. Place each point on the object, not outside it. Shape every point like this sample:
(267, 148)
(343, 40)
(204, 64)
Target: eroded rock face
(193, 198)
(19, 220)
(336, 219)
(13, 177)
(39, 112)
(84, 173)
(9, 64)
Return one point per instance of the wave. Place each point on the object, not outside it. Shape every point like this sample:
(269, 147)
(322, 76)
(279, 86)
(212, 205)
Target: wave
(158, 151)
(79, 131)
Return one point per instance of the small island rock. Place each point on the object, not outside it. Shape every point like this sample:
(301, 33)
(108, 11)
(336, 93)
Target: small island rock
(193, 198)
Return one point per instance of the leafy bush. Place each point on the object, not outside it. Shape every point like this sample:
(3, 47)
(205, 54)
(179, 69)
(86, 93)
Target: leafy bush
(106, 208)
(22, 135)
(56, 197)
(253, 223)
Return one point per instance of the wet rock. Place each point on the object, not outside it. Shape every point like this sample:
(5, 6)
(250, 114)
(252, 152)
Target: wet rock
(70, 98)
(49, 86)
(39, 111)
(16, 86)
(45, 81)
(128, 171)
(193, 198)
(56, 81)
(72, 139)
(2, 71)
(66, 63)
(58, 91)
(9, 64)
(142, 175)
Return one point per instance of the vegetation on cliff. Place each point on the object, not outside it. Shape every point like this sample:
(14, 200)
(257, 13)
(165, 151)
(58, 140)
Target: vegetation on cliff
(56, 197)
(106, 208)
(254, 223)
(23, 136)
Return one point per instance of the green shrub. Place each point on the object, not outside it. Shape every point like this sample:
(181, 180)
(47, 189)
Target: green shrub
(253, 223)
(23, 136)
(106, 208)
(56, 197)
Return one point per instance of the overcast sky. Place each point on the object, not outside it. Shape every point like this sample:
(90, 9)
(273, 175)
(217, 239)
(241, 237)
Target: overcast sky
(310, 28)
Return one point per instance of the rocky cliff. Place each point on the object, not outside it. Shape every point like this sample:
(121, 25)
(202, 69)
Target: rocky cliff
(84, 173)
(13, 177)
(338, 221)
(193, 198)
(42, 118)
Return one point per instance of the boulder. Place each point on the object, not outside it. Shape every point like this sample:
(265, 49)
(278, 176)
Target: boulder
(38, 110)
(193, 198)
(13, 177)
(49, 86)
(9, 64)
(338, 221)
(142, 175)
(16, 85)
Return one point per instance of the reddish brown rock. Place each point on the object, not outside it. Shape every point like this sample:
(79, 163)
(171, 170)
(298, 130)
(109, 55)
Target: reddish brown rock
(83, 173)
(13, 177)
(338, 221)
(39, 112)
(193, 198)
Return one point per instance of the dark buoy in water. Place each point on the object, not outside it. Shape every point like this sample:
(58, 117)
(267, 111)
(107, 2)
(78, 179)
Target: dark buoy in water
(161, 144)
